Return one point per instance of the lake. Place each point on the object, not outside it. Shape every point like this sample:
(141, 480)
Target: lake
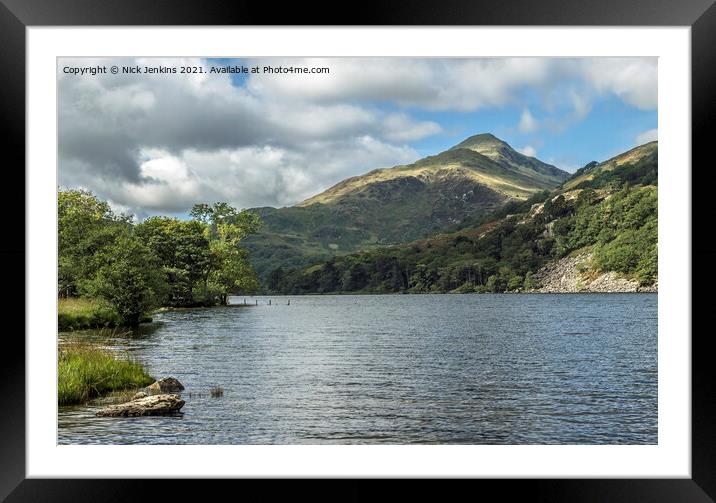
(396, 369)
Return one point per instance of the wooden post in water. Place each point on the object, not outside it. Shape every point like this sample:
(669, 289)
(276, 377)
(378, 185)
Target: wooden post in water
(257, 302)
(269, 302)
(289, 302)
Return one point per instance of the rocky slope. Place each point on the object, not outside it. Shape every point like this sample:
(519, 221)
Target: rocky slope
(575, 274)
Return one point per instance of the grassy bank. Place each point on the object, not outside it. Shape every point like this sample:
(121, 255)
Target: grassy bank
(76, 314)
(85, 372)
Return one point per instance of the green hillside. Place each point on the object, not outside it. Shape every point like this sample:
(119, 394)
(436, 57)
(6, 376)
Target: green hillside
(399, 204)
(612, 213)
(638, 165)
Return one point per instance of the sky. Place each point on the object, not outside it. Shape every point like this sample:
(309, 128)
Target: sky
(158, 143)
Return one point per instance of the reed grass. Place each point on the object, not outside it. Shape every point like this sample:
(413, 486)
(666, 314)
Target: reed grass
(86, 371)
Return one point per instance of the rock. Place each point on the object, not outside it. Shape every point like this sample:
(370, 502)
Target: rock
(165, 385)
(576, 274)
(155, 405)
(139, 394)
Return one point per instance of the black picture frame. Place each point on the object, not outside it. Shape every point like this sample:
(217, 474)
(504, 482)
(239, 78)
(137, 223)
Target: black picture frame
(700, 15)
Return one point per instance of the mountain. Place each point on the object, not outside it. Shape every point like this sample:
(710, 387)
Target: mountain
(500, 152)
(482, 158)
(598, 235)
(638, 165)
(399, 204)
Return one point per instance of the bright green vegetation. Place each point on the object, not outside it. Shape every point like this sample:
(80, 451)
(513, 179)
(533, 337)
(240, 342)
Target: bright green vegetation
(86, 371)
(399, 204)
(636, 166)
(131, 269)
(617, 222)
(78, 313)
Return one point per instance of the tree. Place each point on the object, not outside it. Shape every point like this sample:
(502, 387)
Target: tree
(530, 283)
(130, 279)
(229, 269)
(85, 225)
(226, 222)
(275, 279)
(182, 248)
(515, 283)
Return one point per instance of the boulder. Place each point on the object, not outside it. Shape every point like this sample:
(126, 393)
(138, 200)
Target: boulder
(155, 405)
(165, 385)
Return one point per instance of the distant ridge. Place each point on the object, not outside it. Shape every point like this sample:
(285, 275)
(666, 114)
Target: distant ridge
(636, 154)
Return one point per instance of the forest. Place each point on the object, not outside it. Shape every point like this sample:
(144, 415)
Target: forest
(114, 271)
(616, 221)
(119, 271)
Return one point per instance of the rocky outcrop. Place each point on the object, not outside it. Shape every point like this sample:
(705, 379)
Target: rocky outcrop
(165, 385)
(155, 405)
(574, 274)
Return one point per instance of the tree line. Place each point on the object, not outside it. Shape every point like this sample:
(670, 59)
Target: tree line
(162, 261)
(617, 223)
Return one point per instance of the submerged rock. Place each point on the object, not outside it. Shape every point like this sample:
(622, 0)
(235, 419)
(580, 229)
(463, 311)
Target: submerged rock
(165, 385)
(155, 405)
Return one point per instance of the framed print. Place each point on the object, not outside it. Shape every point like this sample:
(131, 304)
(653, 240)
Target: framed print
(430, 244)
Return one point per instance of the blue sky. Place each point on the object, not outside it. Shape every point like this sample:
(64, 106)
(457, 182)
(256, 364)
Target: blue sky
(160, 143)
(611, 126)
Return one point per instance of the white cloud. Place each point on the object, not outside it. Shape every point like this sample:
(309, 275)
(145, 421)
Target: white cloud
(245, 177)
(581, 105)
(160, 143)
(436, 84)
(528, 123)
(633, 80)
(567, 165)
(578, 104)
(646, 137)
(401, 128)
(528, 150)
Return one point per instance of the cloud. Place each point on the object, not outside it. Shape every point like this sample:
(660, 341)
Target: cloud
(565, 163)
(435, 84)
(528, 123)
(646, 137)
(528, 150)
(401, 128)
(161, 142)
(633, 80)
(576, 107)
(245, 176)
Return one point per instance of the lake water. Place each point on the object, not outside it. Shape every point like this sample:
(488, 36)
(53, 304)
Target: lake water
(397, 369)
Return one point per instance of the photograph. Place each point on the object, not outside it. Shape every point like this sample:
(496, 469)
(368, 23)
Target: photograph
(358, 250)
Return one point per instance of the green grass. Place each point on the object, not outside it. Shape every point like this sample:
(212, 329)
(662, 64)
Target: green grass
(77, 314)
(85, 371)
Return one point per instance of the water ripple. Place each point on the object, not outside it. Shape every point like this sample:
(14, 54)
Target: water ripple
(460, 369)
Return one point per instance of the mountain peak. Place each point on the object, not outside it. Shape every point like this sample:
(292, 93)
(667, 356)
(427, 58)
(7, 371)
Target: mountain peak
(481, 142)
(499, 151)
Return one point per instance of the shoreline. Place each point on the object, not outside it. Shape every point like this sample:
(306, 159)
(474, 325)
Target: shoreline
(534, 292)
